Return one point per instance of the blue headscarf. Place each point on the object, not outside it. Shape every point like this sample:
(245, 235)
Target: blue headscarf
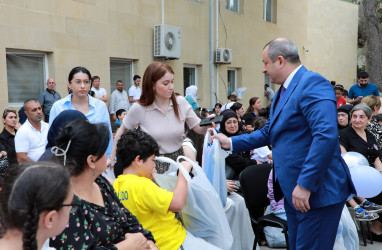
(61, 121)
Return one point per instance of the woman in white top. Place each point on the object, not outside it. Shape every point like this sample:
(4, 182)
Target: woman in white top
(160, 114)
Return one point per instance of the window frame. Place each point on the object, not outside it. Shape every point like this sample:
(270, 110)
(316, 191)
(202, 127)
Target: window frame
(45, 71)
(235, 70)
(127, 83)
(228, 5)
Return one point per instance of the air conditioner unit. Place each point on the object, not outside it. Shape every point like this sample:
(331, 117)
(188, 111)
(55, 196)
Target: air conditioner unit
(167, 41)
(223, 55)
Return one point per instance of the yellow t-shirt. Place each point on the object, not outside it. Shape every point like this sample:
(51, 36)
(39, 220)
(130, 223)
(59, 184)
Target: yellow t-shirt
(150, 203)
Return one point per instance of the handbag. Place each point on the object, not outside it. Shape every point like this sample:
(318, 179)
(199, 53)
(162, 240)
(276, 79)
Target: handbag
(3, 166)
(214, 166)
(202, 214)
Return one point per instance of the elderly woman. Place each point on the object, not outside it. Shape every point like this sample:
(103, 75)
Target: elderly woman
(101, 221)
(374, 103)
(343, 116)
(160, 114)
(357, 138)
(235, 163)
(7, 137)
(35, 202)
(191, 95)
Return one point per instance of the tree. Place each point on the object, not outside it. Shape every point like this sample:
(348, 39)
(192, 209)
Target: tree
(369, 36)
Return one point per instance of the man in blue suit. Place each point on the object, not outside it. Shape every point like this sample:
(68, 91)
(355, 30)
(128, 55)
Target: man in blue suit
(302, 129)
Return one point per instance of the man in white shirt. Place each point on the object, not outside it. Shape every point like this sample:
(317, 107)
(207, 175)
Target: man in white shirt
(30, 139)
(135, 91)
(99, 93)
(118, 100)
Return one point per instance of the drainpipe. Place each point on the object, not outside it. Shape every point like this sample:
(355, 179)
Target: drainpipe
(212, 86)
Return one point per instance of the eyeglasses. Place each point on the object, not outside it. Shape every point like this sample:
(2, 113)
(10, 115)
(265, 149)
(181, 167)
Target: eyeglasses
(74, 206)
(79, 82)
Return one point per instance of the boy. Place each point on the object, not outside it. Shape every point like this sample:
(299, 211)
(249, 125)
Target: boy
(121, 113)
(153, 206)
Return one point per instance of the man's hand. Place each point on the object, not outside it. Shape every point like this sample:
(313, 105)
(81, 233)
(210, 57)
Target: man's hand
(225, 142)
(300, 198)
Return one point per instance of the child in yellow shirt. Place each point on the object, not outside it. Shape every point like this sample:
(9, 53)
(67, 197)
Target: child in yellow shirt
(153, 206)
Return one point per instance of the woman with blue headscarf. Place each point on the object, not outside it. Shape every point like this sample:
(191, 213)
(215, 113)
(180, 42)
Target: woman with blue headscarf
(58, 123)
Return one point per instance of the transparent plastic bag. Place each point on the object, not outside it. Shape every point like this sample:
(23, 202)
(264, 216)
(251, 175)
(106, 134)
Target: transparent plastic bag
(202, 214)
(214, 166)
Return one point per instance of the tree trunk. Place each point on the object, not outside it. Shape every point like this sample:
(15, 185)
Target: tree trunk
(373, 43)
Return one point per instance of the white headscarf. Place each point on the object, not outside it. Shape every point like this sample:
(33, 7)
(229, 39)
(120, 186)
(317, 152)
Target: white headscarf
(192, 91)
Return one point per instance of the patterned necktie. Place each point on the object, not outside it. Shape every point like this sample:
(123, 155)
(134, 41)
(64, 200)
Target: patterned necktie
(282, 91)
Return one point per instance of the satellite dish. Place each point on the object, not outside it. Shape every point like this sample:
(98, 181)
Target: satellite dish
(169, 40)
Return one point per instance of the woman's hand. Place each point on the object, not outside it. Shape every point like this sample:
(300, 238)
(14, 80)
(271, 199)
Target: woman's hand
(231, 186)
(3, 154)
(152, 245)
(134, 241)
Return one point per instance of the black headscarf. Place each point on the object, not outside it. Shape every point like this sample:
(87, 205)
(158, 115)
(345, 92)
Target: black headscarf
(228, 113)
(346, 108)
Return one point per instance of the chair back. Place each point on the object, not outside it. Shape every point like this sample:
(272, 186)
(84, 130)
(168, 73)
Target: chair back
(254, 185)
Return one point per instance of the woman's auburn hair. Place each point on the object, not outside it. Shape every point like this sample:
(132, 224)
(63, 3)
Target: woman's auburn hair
(153, 73)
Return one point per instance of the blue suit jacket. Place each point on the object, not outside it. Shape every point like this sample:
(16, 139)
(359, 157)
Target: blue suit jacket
(303, 131)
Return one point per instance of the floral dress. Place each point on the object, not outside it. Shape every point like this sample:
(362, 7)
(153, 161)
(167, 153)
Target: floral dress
(96, 227)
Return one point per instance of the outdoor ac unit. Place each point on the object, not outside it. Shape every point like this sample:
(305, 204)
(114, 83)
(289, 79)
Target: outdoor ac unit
(167, 41)
(223, 55)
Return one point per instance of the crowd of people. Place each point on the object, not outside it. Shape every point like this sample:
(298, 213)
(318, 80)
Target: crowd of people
(79, 175)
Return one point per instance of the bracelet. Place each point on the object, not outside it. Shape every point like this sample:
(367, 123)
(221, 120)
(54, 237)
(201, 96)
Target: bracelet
(112, 158)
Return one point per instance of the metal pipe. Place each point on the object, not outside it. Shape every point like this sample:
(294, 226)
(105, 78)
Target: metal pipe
(212, 86)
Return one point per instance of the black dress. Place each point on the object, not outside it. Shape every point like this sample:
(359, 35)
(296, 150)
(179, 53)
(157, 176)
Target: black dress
(97, 227)
(7, 143)
(351, 141)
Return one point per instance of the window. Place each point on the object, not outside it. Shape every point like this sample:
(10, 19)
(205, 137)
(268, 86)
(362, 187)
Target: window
(233, 5)
(190, 76)
(121, 70)
(27, 73)
(269, 10)
(232, 80)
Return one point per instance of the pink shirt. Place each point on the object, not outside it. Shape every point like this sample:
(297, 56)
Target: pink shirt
(165, 128)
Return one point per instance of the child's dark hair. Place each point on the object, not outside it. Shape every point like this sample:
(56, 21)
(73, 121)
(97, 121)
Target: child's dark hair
(28, 190)
(134, 143)
(378, 117)
(119, 112)
(115, 127)
(85, 139)
(259, 123)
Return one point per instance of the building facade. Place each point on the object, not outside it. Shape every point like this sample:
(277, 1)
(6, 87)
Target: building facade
(114, 40)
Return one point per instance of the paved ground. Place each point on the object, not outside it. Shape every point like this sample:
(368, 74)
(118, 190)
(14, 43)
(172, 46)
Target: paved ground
(374, 246)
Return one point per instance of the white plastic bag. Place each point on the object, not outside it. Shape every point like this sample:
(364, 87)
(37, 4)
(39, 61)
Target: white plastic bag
(214, 166)
(349, 231)
(202, 214)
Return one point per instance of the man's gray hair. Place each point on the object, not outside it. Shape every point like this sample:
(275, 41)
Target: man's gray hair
(285, 48)
(364, 108)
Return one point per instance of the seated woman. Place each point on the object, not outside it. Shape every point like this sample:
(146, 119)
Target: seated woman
(238, 161)
(239, 110)
(343, 116)
(357, 139)
(374, 102)
(191, 96)
(7, 137)
(101, 221)
(36, 199)
(153, 206)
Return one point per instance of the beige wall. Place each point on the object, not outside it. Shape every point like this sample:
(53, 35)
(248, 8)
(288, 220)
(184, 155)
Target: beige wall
(332, 40)
(90, 32)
